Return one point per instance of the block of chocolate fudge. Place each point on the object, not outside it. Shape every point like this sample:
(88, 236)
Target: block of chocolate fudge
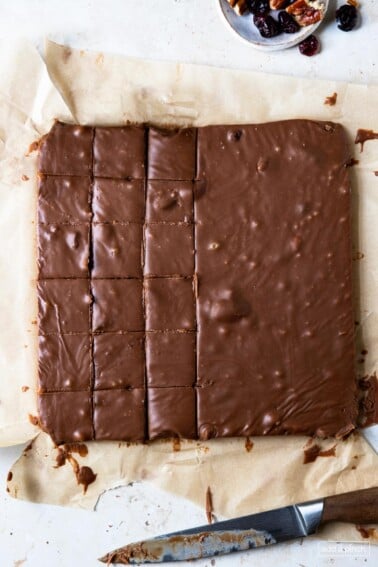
(169, 304)
(66, 150)
(169, 201)
(118, 200)
(74, 369)
(66, 416)
(120, 414)
(63, 250)
(274, 310)
(119, 360)
(171, 359)
(119, 152)
(64, 199)
(117, 305)
(117, 250)
(63, 306)
(172, 154)
(218, 299)
(169, 250)
(171, 413)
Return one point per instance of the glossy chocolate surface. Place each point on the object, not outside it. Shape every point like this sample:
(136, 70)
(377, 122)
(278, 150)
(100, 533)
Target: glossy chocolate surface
(171, 359)
(119, 360)
(63, 250)
(169, 304)
(73, 371)
(67, 150)
(117, 305)
(169, 250)
(67, 416)
(171, 413)
(117, 250)
(64, 199)
(118, 200)
(119, 412)
(119, 152)
(274, 309)
(210, 290)
(172, 154)
(169, 201)
(64, 306)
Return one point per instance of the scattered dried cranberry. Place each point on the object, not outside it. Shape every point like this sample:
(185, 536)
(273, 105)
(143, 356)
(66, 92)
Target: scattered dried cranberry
(267, 26)
(259, 7)
(287, 22)
(347, 17)
(309, 46)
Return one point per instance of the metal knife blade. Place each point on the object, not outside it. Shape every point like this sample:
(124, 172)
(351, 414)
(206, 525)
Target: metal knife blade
(239, 534)
(370, 434)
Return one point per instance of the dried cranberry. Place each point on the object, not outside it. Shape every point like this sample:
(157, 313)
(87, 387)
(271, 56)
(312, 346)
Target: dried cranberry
(267, 26)
(287, 22)
(309, 46)
(259, 7)
(347, 17)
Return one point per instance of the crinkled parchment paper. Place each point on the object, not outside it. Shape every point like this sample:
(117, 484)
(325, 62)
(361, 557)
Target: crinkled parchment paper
(106, 89)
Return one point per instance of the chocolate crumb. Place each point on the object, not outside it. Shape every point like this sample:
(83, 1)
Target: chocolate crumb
(10, 476)
(331, 100)
(363, 136)
(34, 420)
(312, 453)
(25, 388)
(34, 146)
(248, 445)
(176, 444)
(209, 506)
(366, 532)
(352, 162)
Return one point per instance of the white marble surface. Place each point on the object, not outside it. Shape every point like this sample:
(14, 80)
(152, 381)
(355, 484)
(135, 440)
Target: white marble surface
(192, 31)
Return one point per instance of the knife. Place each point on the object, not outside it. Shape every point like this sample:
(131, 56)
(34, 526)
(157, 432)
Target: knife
(249, 532)
(370, 435)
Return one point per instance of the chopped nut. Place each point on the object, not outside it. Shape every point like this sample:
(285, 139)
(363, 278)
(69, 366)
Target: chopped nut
(277, 4)
(240, 6)
(306, 12)
(353, 3)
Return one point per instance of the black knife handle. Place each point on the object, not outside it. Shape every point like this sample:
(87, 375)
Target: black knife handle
(358, 507)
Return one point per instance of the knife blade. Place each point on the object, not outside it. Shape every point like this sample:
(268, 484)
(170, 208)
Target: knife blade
(370, 435)
(249, 532)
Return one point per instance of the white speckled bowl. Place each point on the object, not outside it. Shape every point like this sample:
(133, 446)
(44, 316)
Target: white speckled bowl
(245, 28)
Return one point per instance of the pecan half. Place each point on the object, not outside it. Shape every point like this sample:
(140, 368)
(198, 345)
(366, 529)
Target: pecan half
(306, 12)
(277, 4)
(240, 6)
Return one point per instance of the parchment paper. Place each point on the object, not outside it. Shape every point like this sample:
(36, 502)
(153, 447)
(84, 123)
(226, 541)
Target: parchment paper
(106, 89)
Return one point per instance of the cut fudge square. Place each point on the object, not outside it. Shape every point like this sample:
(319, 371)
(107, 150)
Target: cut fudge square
(169, 201)
(171, 413)
(118, 200)
(119, 360)
(171, 154)
(117, 250)
(120, 415)
(171, 359)
(64, 362)
(120, 152)
(64, 306)
(169, 250)
(63, 250)
(118, 305)
(66, 150)
(169, 304)
(66, 416)
(64, 199)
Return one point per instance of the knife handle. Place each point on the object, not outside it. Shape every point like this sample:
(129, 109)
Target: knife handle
(357, 507)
